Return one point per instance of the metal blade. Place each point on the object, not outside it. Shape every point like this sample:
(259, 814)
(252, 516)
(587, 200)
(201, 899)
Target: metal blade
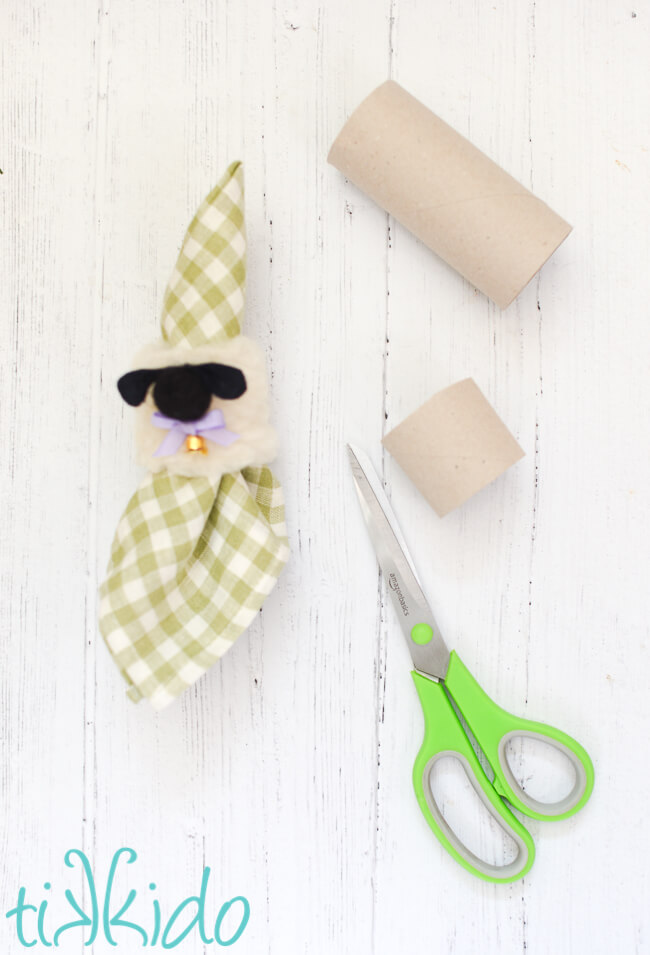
(402, 582)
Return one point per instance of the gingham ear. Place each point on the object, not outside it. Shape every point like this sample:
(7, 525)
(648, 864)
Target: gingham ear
(202, 541)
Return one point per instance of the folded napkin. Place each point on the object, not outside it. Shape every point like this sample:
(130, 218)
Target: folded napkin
(203, 540)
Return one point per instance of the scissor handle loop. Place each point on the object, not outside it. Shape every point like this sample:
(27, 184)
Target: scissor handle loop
(444, 736)
(543, 810)
(509, 872)
(494, 727)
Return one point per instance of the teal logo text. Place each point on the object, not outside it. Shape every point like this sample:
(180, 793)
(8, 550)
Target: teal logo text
(104, 916)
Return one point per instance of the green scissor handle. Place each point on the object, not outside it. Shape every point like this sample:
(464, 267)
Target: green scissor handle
(444, 736)
(492, 727)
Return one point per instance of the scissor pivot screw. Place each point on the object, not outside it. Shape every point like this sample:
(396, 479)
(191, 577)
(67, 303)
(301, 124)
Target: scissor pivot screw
(421, 633)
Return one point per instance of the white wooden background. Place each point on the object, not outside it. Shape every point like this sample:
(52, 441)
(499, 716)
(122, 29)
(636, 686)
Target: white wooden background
(287, 769)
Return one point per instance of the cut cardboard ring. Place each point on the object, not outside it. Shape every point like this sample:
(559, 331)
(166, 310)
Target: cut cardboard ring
(453, 446)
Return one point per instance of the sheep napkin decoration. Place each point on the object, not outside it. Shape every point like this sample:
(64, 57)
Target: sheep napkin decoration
(203, 540)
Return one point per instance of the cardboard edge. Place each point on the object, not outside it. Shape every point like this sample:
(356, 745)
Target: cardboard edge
(352, 116)
(567, 233)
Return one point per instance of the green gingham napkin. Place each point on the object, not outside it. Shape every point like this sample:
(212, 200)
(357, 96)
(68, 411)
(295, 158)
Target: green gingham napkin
(194, 557)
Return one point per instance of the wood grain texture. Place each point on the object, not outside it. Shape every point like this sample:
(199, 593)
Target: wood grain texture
(287, 768)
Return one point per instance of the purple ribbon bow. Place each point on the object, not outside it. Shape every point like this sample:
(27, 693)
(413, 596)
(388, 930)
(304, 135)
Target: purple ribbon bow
(211, 426)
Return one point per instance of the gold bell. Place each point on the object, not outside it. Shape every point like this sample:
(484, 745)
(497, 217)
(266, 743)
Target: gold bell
(194, 442)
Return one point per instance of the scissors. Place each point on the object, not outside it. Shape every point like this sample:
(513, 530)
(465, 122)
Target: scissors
(446, 687)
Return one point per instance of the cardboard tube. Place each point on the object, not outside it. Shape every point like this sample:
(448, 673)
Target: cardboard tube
(462, 205)
(453, 446)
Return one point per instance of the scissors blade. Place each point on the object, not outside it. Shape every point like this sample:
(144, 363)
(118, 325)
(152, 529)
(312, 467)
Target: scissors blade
(404, 590)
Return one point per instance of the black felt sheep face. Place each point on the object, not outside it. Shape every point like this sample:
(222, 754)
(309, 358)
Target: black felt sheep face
(183, 392)
(215, 403)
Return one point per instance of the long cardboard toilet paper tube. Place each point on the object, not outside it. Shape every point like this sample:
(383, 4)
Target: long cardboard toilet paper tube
(453, 446)
(462, 205)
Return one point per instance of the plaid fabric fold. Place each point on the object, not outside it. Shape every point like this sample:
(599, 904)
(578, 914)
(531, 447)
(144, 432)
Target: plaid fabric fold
(193, 559)
(204, 301)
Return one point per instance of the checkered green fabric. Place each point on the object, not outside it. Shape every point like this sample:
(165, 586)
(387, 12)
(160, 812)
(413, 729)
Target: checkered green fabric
(204, 301)
(193, 559)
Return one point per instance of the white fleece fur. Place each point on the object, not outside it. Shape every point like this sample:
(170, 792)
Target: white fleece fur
(248, 415)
